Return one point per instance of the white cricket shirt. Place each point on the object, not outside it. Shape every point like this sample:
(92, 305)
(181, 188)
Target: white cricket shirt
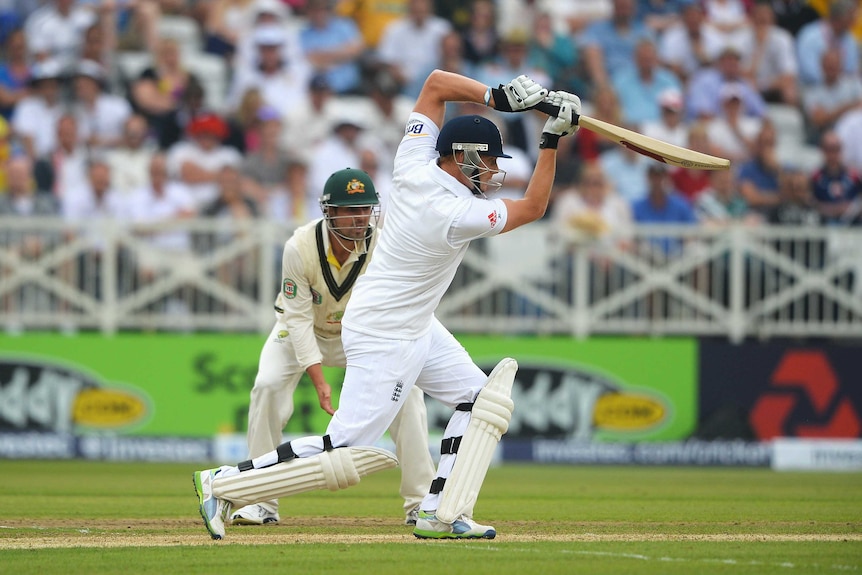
(430, 220)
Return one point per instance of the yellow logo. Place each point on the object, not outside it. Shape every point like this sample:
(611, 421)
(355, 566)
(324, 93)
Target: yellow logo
(282, 333)
(107, 408)
(354, 186)
(622, 412)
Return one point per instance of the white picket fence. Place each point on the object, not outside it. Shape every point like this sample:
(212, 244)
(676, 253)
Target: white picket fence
(215, 275)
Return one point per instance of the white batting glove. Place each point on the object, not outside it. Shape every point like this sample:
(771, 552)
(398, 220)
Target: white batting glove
(519, 95)
(561, 124)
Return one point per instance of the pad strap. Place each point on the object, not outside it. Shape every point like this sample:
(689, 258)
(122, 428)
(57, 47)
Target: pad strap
(245, 465)
(327, 443)
(450, 445)
(464, 407)
(285, 452)
(437, 485)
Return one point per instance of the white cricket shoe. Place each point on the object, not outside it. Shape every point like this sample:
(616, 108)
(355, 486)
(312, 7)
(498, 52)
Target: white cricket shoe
(214, 511)
(255, 514)
(429, 527)
(412, 516)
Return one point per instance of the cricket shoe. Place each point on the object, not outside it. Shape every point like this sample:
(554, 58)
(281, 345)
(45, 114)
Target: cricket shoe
(254, 515)
(412, 516)
(214, 511)
(429, 527)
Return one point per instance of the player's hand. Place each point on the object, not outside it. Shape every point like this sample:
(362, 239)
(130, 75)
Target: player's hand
(560, 125)
(519, 95)
(324, 397)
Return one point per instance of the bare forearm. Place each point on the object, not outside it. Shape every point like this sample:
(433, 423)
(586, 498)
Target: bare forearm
(534, 204)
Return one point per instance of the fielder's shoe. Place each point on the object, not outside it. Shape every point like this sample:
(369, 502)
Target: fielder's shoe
(253, 515)
(214, 511)
(429, 527)
(412, 516)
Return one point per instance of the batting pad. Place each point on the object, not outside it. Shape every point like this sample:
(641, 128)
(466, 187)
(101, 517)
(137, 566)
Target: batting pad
(489, 420)
(337, 469)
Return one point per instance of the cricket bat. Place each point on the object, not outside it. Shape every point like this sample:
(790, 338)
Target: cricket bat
(651, 147)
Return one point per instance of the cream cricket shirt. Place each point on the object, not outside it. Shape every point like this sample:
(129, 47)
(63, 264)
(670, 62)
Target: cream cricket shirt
(430, 220)
(306, 304)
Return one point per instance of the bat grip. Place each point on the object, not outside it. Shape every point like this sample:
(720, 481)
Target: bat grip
(552, 110)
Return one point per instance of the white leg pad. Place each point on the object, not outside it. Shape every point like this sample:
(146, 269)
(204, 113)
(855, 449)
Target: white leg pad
(337, 469)
(489, 420)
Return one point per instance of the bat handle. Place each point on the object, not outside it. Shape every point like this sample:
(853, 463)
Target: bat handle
(552, 110)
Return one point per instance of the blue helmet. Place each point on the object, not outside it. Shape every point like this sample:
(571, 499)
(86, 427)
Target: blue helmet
(473, 133)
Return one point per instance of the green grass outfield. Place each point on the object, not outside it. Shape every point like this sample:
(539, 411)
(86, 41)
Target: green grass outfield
(76, 517)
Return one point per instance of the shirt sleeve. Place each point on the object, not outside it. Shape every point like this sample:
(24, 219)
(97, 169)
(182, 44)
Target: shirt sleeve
(482, 218)
(418, 146)
(298, 315)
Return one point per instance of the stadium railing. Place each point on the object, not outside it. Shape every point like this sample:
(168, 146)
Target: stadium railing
(221, 275)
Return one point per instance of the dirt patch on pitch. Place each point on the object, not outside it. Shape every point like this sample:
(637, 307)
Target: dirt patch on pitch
(176, 533)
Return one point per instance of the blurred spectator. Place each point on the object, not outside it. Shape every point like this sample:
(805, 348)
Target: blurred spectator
(729, 18)
(796, 205)
(627, 172)
(662, 205)
(592, 212)
(609, 45)
(388, 115)
(369, 162)
(481, 42)
(282, 84)
(659, 15)
(161, 201)
(14, 73)
(20, 196)
(160, 90)
(832, 97)
(758, 178)
(770, 62)
(818, 36)
(704, 89)
(689, 182)
(721, 203)
(556, 54)
(230, 202)
(227, 21)
(332, 45)
(94, 199)
(35, 118)
(670, 126)
(638, 86)
(341, 148)
(65, 168)
(733, 133)
(410, 46)
(511, 62)
(570, 17)
(266, 14)
(198, 160)
(849, 130)
(130, 161)
(451, 60)
(245, 120)
(837, 188)
(690, 44)
(100, 114)
(56, 30)
(586, 144)
(310, 122)
(372, 18)
(137, 26)
(266, 168)
(792, 15)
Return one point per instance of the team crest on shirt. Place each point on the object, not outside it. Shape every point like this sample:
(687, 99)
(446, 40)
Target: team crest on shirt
(494, 218)
(288, 288)
(316, 298)
(335, 317)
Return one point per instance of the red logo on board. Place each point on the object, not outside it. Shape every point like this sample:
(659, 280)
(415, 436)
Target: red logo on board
(807, 374)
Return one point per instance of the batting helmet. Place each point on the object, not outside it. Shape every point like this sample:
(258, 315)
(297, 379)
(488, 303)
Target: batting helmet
(349, 188)
(473, 133)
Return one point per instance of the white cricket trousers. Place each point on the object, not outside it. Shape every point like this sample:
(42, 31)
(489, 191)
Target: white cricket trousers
(381, 373)
(272, 405)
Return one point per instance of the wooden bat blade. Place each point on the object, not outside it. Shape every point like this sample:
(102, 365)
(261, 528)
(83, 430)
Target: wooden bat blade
(656, 149)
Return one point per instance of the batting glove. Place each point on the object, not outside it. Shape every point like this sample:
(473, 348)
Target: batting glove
(519, 95)
(563, 123)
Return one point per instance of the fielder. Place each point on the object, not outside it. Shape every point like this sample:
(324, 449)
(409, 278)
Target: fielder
(320, 264)
(391, 337)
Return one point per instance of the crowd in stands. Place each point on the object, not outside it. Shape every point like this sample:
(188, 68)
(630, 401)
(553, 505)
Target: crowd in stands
(107, 109)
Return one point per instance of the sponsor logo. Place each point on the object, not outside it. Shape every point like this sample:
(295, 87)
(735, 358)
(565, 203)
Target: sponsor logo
(414, 128)
(623, 412)
(493, 217)
(41, 396)
(335, 317)
(288, 288)
(316, 297)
